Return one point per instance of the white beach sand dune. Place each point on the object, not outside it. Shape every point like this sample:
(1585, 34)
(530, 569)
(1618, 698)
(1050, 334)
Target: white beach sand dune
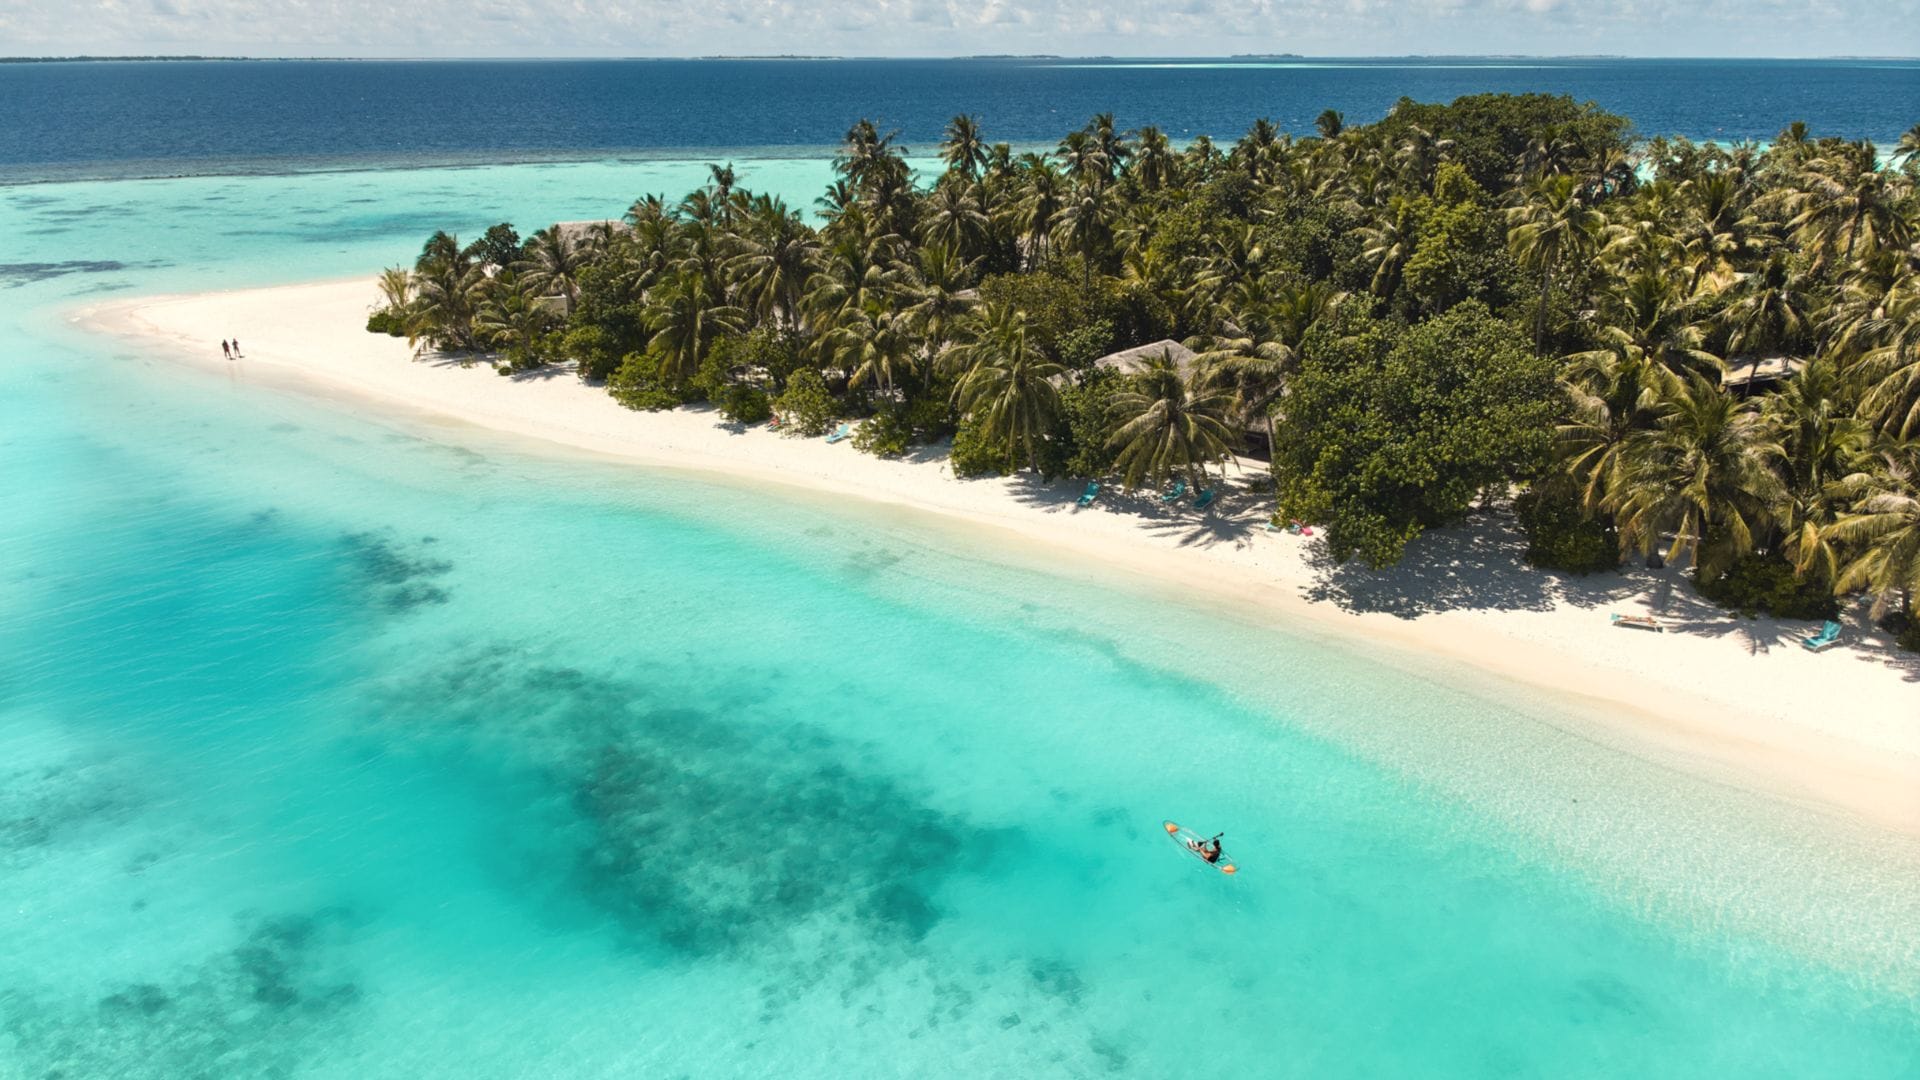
(1734, 699)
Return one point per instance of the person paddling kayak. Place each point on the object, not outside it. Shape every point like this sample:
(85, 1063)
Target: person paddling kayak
(1208, 849)
(1205, 848)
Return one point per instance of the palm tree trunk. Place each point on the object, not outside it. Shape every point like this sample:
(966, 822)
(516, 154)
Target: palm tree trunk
(1540, 314)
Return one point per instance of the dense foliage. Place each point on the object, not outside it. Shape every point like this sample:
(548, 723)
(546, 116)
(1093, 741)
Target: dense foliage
(1505, 295)
(1394, 429)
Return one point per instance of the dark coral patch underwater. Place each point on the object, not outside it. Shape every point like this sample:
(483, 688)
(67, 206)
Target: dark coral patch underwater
(710, 830)
(264, 1008)
(396, 578)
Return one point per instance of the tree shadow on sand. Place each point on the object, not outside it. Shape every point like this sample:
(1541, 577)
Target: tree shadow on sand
(1478, 565)
(1235, 517)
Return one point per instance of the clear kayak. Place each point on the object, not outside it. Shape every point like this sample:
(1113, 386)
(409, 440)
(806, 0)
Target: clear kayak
(1191, 841)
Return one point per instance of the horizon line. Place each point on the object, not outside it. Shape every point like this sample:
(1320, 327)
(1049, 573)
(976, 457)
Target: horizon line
(134, 57)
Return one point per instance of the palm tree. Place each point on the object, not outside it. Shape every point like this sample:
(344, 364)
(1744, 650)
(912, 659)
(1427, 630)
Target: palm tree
(1907, 150)
(1154, 165)
(1202, 159)
(720, 190)
(1165, 427)
(1882, 528)
(1386, 247)
(1080, 155)
(1259, 151)
(1821, 442)
(1794, 144)
(1329, 123)
(1845, 200)
(1647, 318)
(776, 256)
(1038, 207)
(855, 273)
(1611, 172)
(1085, 225)
(514, 318)
(552, 265)
(963, 150)
(955, 215)
(1706, 474)
(1009, 384)
(396, 288)
(446, 281)
(873, 344)
(1112, 151)
(1552, 227)
(1418, 155)
(869, 161)
(1255, 364)
(1613, 395)
(1889, 372)
(1720, 231)
(937, 294)
(1770, 310)
(685, 318)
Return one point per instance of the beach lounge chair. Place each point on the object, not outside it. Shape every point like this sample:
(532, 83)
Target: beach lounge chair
(1205, 500)
(1174, 492)
(1639, 622)
(1829, 633)
(841, 432)
(1087, 497)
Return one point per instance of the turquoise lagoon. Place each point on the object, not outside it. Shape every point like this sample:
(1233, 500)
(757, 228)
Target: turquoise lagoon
(336, 744)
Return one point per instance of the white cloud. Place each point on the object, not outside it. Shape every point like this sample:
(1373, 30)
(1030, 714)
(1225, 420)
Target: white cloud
(947, 27)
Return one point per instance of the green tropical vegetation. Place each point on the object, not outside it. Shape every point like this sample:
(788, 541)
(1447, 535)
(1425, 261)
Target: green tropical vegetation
(1649, 348)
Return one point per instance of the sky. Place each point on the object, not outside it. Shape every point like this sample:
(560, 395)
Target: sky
(959, 27)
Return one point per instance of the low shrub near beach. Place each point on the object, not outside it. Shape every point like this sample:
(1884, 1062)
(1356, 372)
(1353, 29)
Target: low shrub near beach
(1905, 628)
(743, 403)
(886, 434)
(1766, 584)
(638, 385)
(975, 454)
(387, 321)
(806, 408)
(1561, 537)
(594, 351)
(1086, 408)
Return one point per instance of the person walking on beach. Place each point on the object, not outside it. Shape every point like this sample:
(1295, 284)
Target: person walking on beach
(236, 348)
(224, 350)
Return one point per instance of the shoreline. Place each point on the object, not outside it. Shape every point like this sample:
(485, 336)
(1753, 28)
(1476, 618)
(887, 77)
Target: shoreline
(1726, 699)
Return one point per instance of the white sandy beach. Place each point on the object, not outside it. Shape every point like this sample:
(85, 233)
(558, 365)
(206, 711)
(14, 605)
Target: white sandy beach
(1738, 700)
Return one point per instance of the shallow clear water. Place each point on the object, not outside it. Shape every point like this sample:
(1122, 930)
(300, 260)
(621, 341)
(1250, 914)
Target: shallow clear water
(335, 745)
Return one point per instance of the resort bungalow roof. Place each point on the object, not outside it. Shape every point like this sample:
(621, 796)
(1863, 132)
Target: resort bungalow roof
(578, 231)
(1136, 359)
(1756, 372)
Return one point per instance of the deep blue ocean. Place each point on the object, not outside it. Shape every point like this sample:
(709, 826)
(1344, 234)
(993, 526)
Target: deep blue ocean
(83, 120)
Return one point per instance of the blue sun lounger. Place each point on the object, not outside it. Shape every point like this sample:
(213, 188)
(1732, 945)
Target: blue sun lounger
(843, 431)
(1093, 491)
(1175, 492)
(1829, 634)
(1205, 500)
